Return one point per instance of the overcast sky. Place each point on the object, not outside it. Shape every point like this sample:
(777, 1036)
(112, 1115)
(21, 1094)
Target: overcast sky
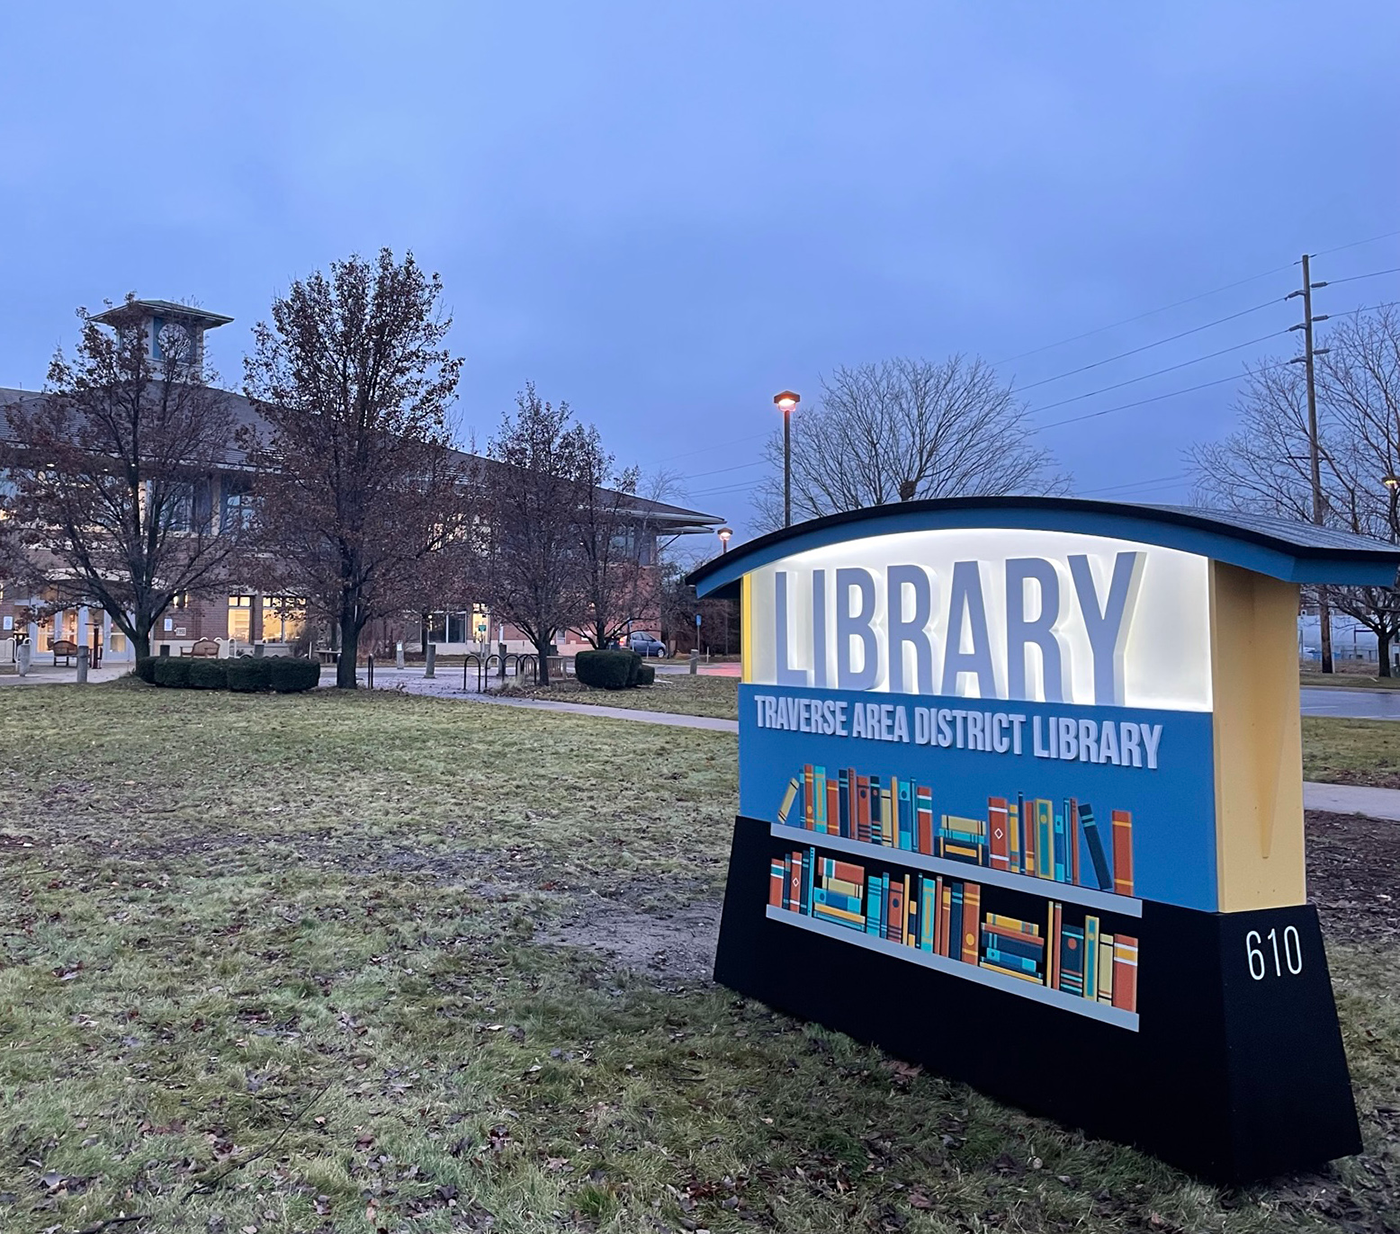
(664, 212)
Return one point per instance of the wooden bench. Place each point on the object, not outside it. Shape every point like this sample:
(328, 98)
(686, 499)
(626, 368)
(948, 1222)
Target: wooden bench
(206, 648)
(64, 647)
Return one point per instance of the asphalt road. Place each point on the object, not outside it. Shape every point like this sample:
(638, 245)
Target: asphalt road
(1354, 704)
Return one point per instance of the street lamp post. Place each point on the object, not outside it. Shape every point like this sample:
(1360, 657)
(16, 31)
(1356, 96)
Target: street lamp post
(786, 401)
(724, 533)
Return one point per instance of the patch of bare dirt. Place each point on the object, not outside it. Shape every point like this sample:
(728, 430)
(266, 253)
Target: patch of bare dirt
(1354, 875)
(677, 946)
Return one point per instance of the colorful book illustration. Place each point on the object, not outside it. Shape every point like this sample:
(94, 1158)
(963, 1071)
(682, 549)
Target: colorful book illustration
(949, 917)
(1058, 842)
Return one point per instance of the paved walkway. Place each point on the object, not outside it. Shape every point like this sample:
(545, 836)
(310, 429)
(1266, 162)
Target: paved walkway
(48, 675)
(1352, 799)
(1337, 798)
(671, 718)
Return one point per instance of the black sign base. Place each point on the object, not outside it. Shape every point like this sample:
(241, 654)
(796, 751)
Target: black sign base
(1236, 1070)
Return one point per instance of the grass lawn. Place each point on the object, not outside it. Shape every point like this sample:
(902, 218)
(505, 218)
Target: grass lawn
(1343, 751)
(319, 963)
(1349, 681)
(678, 692)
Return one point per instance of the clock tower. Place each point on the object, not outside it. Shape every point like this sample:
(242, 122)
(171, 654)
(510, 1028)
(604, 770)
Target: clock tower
(172, 332)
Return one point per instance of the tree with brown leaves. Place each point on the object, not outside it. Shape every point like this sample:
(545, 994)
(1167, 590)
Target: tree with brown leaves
(367, 501)
(113, 469)
(534, 485)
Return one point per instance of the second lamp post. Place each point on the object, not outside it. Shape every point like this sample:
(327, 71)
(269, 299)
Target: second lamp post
(786, 401)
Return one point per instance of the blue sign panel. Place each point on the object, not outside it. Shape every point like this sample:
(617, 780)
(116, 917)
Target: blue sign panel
(1127, 793)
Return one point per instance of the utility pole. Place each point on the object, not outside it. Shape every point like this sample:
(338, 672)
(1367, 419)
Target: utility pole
(1324, 609)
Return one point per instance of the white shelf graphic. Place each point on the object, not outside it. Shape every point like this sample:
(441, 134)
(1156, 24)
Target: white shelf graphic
(1068, 893)
(956, 968)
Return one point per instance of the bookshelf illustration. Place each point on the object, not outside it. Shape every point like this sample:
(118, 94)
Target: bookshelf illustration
(944, 924)
(939, 916)
(1021, 839)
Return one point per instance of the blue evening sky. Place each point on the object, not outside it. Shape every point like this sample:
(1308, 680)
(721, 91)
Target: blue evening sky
(666, 211)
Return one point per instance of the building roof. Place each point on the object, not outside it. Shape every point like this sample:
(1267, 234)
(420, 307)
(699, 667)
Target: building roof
(167, 308)
(666, 518)
(1294, 552)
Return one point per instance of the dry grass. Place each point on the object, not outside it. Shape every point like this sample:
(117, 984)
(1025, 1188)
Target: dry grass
(279, 964)
(1344, 751)
(699, 695)
(1349, 681)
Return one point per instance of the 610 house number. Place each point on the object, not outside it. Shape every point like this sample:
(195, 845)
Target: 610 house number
(1260, 948)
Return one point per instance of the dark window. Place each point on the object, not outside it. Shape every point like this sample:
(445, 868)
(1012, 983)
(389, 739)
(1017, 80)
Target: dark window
(236, 509)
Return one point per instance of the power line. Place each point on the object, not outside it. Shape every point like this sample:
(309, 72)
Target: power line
(1253, 278)
(1149, 346)
(1352, 278)
(724, 445)
(1114, 488)
(1356, 244)
(721, 470)
(1171, 368)
(1156, 398)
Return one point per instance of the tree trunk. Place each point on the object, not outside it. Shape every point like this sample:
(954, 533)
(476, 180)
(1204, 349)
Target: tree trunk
(345, 664)
(543, 650)
(141, 643)
(1383, 651)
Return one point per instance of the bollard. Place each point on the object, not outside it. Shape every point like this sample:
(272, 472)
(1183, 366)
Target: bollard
(83, 654)
(22, 659)
(257, 651)
(501, 651)
(694, 661)
(398, 655)
(431, 656)
(369, 662)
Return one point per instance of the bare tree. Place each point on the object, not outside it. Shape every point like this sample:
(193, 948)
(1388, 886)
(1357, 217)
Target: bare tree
(534, 479)
(112, 472)
(1264, 465)
(368, 498)
(609, 541)
(903, 429)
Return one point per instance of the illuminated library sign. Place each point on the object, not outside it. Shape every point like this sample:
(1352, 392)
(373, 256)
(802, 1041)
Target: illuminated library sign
(1020, 798)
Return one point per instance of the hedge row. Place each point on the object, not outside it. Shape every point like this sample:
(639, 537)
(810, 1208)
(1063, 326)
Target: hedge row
(246, 675)
(612, 669)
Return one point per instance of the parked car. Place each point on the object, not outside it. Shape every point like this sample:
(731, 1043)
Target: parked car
(645, 645)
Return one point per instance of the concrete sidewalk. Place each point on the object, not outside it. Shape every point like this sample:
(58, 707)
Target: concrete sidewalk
(1352, 799)
(1335, 798)
(671, 718)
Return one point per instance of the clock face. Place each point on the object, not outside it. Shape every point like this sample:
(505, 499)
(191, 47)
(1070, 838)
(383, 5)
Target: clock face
(174, 341)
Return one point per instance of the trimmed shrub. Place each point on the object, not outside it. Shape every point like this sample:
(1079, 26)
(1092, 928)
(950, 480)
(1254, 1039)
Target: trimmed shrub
(646, 675)
(173, 671)
(608, 670)
(146, 668)
(290, 675)
(249, 674)
(208, 674)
